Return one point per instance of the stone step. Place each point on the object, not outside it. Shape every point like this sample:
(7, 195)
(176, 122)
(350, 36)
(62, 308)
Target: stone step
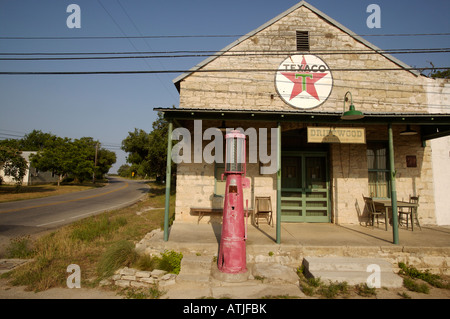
(344, 263)
(194, 264)
(373, 271)
(386, 279)
(195, 269)
(190, 278)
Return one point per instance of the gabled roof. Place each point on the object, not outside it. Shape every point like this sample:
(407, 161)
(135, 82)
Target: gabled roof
(274, 20)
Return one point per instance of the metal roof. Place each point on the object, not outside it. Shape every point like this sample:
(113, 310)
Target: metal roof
(280, 16)
(305, 116)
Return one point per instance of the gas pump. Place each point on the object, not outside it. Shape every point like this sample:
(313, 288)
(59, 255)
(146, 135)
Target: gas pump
(232, 251)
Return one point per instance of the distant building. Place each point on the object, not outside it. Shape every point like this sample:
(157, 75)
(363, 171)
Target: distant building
(32, 176)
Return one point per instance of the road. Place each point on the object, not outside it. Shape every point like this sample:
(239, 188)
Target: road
(34, 216)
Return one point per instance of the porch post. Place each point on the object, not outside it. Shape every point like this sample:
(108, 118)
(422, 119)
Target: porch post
(393, 187)
(168, 181)
(279, 183)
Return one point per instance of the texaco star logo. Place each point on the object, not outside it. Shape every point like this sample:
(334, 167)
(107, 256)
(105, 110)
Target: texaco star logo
(304, 81)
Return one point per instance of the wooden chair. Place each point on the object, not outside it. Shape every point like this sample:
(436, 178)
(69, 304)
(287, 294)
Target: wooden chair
(263, 208)
(410, 213)
(373, 211)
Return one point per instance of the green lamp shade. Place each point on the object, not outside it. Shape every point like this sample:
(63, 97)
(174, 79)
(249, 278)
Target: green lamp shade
(352, 114)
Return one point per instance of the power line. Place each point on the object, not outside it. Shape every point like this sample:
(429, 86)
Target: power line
(206, 36)
(349, 51)
(406, 51)
(209, 71)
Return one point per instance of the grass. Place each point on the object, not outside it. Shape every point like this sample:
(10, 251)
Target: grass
(419, 281)
(9, 193)
(315, 287)
(98, 244)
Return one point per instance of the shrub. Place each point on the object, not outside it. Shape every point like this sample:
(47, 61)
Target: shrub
(170, 261)
(19, 247)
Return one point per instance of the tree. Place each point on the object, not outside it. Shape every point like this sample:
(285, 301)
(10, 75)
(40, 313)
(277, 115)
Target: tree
(137, 145)
(76, 158)
(13, 164)
(124, 170)
(157, 156)
(148, 151)
(441, 74)
(105, 160)
(55, 158)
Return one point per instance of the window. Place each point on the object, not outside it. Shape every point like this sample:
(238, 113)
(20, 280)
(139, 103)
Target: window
(377, 162)
(302, 41)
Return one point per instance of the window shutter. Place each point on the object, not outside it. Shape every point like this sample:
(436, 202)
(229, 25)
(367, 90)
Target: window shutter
(302, 41)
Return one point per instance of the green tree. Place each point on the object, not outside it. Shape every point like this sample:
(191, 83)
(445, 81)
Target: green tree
(55, 157)
(445, 74)
(124, 170)
(13, 164)
(105, 160)
(147, 152)
(157, 156)
(137, 145)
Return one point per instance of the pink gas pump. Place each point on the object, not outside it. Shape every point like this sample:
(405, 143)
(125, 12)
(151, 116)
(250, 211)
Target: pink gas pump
(232, 252)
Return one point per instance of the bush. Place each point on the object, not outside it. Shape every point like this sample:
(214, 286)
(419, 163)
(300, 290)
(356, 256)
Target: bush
(410, 284)
(412, 272)
(170, 261)
(120, 254)
(19, 247)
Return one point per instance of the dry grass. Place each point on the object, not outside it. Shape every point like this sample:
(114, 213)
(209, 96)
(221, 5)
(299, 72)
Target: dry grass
(85, 242)
(9, 193)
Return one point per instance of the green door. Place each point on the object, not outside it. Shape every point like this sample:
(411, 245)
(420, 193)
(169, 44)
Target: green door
(304, 187)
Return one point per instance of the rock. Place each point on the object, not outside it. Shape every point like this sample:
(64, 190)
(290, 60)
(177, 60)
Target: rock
(143, 274)
(127, 271)
(168, 277)
(158, 273)
(148, 280)
(123, 283)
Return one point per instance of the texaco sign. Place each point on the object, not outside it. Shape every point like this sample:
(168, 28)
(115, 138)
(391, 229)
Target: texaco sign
(304, 81)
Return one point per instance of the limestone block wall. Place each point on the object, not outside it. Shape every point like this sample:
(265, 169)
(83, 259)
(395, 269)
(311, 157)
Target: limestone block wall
(373, 91)
(380, 91)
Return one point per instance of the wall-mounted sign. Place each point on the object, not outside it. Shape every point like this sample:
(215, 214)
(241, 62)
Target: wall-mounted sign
(304, 81)
(347, 135)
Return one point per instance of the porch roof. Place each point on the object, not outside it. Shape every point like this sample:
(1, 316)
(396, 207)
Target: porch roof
(433, 125)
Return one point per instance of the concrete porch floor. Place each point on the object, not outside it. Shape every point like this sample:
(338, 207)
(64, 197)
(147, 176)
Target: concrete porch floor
(316, 234)
(428, 248)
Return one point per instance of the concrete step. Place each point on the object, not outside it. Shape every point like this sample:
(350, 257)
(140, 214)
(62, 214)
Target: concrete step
(194, 264)
(354, 271)
(344, 263)
(195, 269)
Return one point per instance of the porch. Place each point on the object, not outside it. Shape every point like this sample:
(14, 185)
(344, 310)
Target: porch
(428, 248)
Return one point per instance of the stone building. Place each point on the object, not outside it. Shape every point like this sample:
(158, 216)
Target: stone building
(287, 84)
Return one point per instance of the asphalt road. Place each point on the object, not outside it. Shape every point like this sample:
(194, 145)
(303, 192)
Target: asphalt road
(34, 216)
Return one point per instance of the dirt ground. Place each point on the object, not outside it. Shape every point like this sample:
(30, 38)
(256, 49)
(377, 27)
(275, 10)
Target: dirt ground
(8, 291)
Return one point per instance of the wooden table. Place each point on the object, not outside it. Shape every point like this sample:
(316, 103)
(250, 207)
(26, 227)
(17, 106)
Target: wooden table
(387, 203)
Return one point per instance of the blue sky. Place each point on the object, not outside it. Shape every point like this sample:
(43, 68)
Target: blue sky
(107, 107)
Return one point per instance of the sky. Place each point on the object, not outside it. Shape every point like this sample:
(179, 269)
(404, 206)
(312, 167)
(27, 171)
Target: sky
(107, 107)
